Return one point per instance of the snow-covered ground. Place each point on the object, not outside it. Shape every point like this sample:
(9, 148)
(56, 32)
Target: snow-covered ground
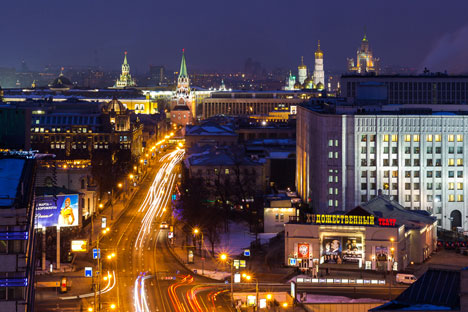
(237, 239)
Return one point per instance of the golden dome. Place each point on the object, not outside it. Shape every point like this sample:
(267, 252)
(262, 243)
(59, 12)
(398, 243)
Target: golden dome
(302, 66)
(309, 83)
(297, 85)
(318, 53)
(320, 86)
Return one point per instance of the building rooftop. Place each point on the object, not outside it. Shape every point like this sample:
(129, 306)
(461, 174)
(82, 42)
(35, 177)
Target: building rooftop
(210, 129)
(383, 207)
(435, 290)
(213, 156)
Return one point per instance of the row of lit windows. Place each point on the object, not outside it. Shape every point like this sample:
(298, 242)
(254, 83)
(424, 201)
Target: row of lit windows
(416, 162)
(331, 142)
(429, 174)
(435, 198)
(415, 186)
(331, 154)
(332, 202)
(429, 150)
(413, 137)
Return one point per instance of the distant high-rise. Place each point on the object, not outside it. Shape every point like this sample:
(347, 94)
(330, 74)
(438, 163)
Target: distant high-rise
(125, 79)
(181, 113)
(156, 74)
(365, 61)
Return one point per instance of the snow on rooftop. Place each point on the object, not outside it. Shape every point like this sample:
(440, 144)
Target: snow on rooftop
(10, 175)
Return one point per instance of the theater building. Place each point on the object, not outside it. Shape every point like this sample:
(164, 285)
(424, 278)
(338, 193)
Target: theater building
(377, 235)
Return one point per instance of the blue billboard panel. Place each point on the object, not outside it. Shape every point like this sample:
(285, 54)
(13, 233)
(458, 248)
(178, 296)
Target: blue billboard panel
(62, 211)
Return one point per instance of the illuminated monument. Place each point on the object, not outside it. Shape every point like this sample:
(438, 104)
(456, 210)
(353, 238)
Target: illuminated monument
(125, 79)
(304, 81)
(181, 113)
(365, 61)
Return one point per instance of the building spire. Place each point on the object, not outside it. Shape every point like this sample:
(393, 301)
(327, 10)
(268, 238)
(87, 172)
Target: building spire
(365, 34)
(183, 66)
(125, 58)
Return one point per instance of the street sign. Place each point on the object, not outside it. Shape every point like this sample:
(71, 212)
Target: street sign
(96, 253)
(103, 222)
(88, 272)
(236, 264)
(242, 263)
(237, 278)
(247, 252)
(146, 161)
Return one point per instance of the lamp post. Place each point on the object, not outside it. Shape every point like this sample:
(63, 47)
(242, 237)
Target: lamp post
(225, 258)
(392, 259)
(197, 231)
(99, 267)
(249, 278)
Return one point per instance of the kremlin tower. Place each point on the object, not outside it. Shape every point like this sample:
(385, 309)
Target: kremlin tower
(182, 101)
(125, 79)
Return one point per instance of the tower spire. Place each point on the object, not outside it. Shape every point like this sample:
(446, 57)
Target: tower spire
(183, 66)
(125, 58)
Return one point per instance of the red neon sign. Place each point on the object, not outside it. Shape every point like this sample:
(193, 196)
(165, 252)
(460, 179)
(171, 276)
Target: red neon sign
(387, 222)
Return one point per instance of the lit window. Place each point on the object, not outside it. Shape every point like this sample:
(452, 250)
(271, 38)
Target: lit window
(459, 137)
(451, 162)
(330, 142)
(451, 198)
(385, 138)
(363, 138)
(451, 138)
(429, 138)
(451, 186)
(336, 191)
(330, 178)
(416, 138)
(394, 137)
(330, 154)
(336, 179)
(395, 174)
(226, 171)
(336, 142)
(336, 154)
(336, 203)
(438, 138)
(330, 191)
(459, 161)
(459, 186)
(330, 203)
(407, 138)
(459, 197)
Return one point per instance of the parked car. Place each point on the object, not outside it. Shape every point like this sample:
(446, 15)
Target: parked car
(405, 278)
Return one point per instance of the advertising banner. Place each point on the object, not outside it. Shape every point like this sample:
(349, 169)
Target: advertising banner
(352, 249)
(79, 245)
(303, 251)
(381, 253)
(62, 211)
(342, 249)
(331, 250)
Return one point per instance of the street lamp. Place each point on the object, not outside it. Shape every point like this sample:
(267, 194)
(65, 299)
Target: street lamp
(99, 267)
(196, 231)
(225, 258)
(131, 176)
(113, 306)
(249, 277)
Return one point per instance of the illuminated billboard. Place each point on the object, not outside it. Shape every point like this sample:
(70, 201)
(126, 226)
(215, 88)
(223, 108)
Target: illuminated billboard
(79, 245)
(60, 211)
(341, 249)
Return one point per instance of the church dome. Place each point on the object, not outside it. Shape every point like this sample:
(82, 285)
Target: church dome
(61, 83)
(297, 86)
(318, 53)
(114, 106)
(320, 86)
(309, 83)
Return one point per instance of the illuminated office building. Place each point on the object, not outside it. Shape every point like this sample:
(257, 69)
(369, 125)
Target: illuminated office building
(344, 157)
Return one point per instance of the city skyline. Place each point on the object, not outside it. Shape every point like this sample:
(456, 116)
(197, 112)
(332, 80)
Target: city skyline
(216, 38)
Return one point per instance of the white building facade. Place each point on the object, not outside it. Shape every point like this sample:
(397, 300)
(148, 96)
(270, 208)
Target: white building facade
(344, 160)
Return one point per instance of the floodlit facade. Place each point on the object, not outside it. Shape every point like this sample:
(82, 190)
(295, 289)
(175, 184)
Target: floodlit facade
(125, 79)
(365, 60)
(344, 159)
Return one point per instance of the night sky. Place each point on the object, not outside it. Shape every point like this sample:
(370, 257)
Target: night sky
(220, 35)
